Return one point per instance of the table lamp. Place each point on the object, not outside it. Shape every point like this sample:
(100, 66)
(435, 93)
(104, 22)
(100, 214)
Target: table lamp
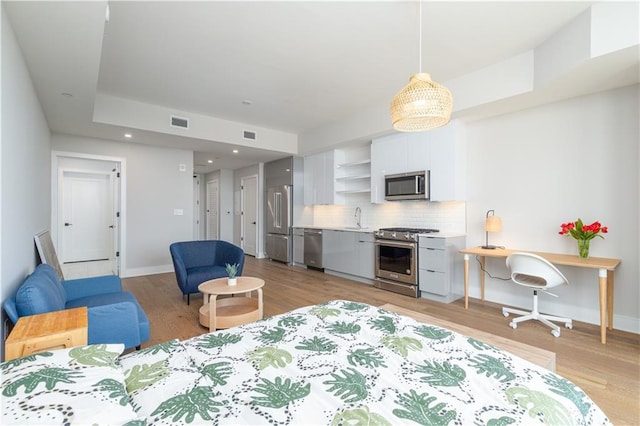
(492, 223)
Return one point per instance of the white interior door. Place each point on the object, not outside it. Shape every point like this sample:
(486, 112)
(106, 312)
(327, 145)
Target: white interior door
(87, 219)
(249, 227)
(213, 207)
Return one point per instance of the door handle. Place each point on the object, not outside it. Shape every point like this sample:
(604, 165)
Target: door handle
(67, 224)
(253, 223)
(111, 226)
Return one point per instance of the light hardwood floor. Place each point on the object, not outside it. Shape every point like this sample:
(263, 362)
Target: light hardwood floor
(609, 374)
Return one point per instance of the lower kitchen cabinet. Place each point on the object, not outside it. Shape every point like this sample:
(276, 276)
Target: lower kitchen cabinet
(298, 246)
(349, 252)
(440, 267)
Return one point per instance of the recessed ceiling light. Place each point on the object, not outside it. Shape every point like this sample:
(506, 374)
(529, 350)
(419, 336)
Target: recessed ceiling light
(67, 95)
(127, 135)
(209, 161)
(235, 151)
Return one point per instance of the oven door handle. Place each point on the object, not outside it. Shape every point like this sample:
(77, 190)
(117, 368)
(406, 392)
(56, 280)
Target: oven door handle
(395, 243)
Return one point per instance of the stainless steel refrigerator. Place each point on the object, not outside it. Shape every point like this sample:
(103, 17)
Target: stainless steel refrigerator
(278, 244)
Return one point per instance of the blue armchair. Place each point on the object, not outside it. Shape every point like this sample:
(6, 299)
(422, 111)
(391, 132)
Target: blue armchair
(198, 261)
(114, 316)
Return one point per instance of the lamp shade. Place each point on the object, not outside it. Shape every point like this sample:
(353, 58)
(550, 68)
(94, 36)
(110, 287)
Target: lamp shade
(493, 224)
(421, 105)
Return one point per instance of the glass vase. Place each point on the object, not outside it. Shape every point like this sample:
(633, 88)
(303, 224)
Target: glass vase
(583, 248)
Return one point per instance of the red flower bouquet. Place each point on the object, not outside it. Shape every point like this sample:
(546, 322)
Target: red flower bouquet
(583, 234)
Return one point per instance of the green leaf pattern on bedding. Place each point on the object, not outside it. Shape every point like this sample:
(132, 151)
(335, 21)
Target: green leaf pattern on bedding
(350, 387)
(270, 357)
(115, 389)
(198, 401)
(401, 344)
(359, 417)
(431, 332)
(218, 372)
(143, 375)
(317, 344)
(271, 336)
(49, 376)
(539, 404)
(492, 367)
(419, 408)
(279, 393)
(384, 324)
(338, 363)
(441, 374)
(366, 357)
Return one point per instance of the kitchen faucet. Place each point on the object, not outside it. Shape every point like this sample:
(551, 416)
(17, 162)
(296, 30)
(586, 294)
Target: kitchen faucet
(358, 215)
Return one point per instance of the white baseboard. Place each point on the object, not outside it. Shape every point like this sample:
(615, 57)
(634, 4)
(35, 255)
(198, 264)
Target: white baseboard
(136, 272)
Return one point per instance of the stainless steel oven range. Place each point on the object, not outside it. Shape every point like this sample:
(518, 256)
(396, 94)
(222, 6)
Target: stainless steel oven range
(397, 259)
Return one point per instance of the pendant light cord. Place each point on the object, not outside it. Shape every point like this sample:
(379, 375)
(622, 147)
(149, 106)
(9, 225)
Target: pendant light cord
(420, 39)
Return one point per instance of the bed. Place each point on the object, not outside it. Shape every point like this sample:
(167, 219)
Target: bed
(338, 363)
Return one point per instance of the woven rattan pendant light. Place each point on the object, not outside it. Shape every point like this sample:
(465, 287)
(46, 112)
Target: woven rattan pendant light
(422, 104)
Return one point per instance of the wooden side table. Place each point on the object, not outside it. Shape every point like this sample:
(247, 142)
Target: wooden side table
(53, 330)
(228, 312)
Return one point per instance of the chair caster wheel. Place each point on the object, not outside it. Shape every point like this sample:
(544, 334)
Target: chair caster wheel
(513, 325)
(569, 325)
(555, 333)
(506, 314)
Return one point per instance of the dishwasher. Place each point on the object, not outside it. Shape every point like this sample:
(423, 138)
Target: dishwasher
(313, 248)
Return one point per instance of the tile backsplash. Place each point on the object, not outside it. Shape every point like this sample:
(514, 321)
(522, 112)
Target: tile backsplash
(447, 216)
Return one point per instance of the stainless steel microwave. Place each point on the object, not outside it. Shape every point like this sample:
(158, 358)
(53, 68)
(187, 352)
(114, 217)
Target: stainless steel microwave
(407, 186)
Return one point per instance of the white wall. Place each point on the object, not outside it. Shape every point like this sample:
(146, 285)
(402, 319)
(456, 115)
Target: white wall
(541, 167)
(24, 169)
(155, 187)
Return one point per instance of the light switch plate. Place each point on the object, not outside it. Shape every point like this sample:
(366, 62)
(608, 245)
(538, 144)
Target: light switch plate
(182, 167)
(178, 212)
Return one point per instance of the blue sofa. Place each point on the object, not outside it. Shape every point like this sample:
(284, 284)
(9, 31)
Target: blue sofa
(195, 262)
(114, 315)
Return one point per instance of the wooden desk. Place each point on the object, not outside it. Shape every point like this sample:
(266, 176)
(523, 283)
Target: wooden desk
(53, 330)
(604, 266)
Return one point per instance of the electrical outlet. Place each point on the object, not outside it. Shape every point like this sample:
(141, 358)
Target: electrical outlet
(182, 167)
(178, 212)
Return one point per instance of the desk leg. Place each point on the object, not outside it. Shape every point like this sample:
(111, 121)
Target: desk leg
(466, 281)
(212, 312)
(482, 263)
(610, 298)
(602, 281)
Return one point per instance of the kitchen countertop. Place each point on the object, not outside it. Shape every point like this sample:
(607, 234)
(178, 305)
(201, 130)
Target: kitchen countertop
(339, 228)
(372, 230)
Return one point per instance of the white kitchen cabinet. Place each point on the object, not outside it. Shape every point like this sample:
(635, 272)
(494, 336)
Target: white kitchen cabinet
(440, 269)
(442, 151)
(366, 255)
(348, 252)
(298, 246)
(319, 178)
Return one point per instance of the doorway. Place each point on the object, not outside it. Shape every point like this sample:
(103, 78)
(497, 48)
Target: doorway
(87, 213)
(249, 211)
(213, 210)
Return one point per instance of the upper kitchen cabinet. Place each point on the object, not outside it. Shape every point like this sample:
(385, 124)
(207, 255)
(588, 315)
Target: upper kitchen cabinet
(442, 151)
(319, 178)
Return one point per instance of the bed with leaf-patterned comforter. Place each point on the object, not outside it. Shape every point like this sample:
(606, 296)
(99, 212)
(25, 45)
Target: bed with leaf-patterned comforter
(339, 363)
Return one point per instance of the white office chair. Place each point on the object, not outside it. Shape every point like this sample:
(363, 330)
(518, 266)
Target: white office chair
(533, 271)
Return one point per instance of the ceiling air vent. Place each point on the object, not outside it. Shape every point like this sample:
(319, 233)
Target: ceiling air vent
(249, 135)
(180, 122)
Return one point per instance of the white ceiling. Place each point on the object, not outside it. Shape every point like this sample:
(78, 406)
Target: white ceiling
(302, 65)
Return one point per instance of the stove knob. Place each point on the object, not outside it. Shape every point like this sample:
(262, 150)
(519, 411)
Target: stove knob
(407, 236)
(393, 235)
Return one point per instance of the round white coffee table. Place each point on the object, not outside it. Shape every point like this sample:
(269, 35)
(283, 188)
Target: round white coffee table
(230, 311)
